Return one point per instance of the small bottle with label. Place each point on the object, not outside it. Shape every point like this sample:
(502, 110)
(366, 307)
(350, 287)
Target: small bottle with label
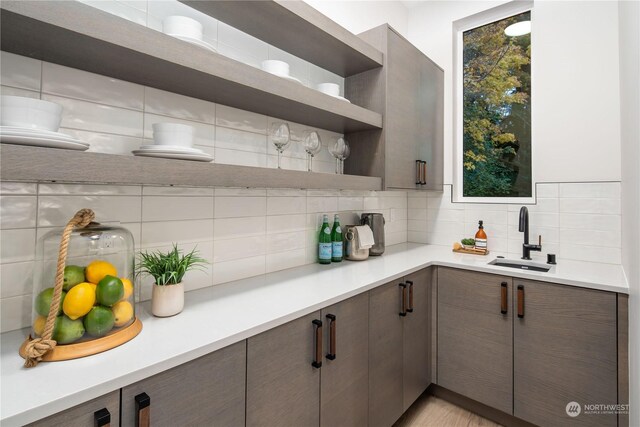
(324, 242)
(481, 237)
(336, 240)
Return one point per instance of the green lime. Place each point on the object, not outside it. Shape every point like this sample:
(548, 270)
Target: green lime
(73, 274)
(66, 330)
(43, 302)
(99, 321)
(109, 291)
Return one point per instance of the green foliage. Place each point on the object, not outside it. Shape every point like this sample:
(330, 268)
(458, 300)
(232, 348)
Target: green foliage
(468, 242)
(496, 113)
(168, 268)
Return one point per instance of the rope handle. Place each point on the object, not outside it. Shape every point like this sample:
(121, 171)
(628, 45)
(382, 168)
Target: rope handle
(38, 347)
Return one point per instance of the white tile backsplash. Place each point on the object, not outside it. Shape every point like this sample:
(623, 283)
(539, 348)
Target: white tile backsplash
(20, 71)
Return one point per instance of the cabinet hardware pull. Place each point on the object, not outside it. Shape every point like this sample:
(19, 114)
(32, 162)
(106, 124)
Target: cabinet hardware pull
(143, 410)
(332, 337)
(504, 298)
(423, 181)
(102, 418)
(403, 299)
(410, 307)
(520, 301)
(317, 361)
(418, 172)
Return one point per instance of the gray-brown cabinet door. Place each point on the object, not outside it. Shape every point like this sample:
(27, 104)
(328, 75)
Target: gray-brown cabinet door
(344, 374)
(416, 352)
(385, 355)
(83, 415)
(283, 388)
(207, 391)
(565, 350)
(475, 336)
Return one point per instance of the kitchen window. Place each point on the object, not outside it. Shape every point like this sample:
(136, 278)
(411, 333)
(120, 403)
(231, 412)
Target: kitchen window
(492, 99)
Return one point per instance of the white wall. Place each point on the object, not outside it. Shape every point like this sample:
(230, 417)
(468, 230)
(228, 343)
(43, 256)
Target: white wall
(359, 16)
(630, 131)
(576, 128)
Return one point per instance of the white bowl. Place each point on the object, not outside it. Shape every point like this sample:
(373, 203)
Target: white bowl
(329, 88)
(274, 66)
(30, 113)
(182, 26)
(175, 134)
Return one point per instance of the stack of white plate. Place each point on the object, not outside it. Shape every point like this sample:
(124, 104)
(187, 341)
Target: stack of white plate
(278, 68)
(173, 141)
(186, 29)
(28, 121)
(332, 89)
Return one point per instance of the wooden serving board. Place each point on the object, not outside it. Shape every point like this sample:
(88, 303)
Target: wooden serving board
(471, 251)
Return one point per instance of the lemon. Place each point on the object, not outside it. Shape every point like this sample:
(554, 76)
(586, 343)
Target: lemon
(98, 269)
(123, 312)
(79, 300)
(38, 325)
(128, 288)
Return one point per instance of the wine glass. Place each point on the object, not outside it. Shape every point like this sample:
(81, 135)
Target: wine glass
(345, 156)
(337, 150)
(281, 138)
(312, 145)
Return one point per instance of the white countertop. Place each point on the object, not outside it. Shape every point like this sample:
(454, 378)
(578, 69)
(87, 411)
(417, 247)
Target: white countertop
(218, 316)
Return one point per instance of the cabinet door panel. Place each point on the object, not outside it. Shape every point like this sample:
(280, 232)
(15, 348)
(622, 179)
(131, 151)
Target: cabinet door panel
(416, 352)
(385, 355)
(283, 389)
(207, 391)
(475, 341)
(83, 414)
(345, 381)
(565, 350)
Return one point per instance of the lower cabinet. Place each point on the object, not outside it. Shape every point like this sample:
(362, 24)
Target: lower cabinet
(102, 411)
(399, 349)
(206, 391)
(565, 350)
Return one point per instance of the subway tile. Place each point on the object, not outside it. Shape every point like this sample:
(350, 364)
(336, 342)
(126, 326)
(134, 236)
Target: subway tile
(417, 237)
(285, 192)
(18, 211)
(590, 189)
(591, 253)
(14, 91)
(494, 231)
(17, 279)
(15, 313)
(57, 210)
(240, 158)
(233, 207)
(283, 260)
(298, 68)
(106, 142)
(240, 192)
(204, 134)
(17, 245)
(89, 116)
(286, 205)
(237, 54)
(445, 215)
(238, 269)
(234, 118)
(49, 189)
(232, 228)
(17, 188)
(172, 208)
(73, 83)
(120, 9)
(416, 202)
(350, 203)
(590, 205)
(488, 217)
(414, 225)
(549, 234)
(547, 190)
(20, 71)
(587, 222)
(288, 163)
(177, 191)
(170, 104)
(323, 193)
(233, 139)
(577, 236)
(538, 219)
(395, 238)
(398, 215)
(417, 214)
(541, 205)
(165, 233)
(282, 242)
(285, 223)
(451, 228)
(242, 42)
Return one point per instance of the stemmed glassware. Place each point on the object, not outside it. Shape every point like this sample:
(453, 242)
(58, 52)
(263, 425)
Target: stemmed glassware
(340, 150)
(281, 138)
(312, 145)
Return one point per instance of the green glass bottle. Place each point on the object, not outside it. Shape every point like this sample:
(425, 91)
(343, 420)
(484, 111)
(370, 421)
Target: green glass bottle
(336, 240)
(324, 242)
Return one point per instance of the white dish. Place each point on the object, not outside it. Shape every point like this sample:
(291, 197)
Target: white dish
(175, 134)
(284, 76)
(183, 25)
(10, 131)
(275, 66)
(204, 157)
(31, 113)
(194, 41)
(342, 98)
(332, 89)
(35, 141)
(170, 149)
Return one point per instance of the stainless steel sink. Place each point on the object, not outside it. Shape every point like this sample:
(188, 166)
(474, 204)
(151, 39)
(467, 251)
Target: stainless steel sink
(520, 264)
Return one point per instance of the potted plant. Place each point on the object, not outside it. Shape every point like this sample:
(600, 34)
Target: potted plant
(167, 270)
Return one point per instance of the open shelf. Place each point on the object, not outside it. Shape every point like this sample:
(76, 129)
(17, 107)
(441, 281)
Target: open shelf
(36, 164)
(79, 36)
(299, 29)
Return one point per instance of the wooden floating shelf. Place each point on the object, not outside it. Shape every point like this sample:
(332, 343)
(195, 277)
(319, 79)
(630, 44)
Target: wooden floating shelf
(79, 36)
(36, 164)
(299, 29)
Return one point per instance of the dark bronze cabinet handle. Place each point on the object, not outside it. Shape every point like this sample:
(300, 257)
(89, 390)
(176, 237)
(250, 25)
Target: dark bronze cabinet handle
(102, 418)
(418, 172)
(317, 361)
(403, 299)
(504, 298)
(410, 306)
(143, 410)
(332, 337)
(520, 301)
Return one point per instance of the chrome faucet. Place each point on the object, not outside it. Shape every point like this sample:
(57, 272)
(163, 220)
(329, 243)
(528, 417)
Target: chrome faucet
(523, 227)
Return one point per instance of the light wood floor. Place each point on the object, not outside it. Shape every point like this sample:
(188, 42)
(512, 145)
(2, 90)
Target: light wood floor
(430, 411)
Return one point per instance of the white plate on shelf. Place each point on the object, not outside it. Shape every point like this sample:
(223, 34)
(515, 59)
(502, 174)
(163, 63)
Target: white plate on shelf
(286, 77)
(203, 157)
(197, 42)
(342, 98)
(40, 138)
(170, 149)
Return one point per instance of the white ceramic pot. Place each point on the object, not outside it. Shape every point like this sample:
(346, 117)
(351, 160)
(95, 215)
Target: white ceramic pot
(167, 300)
(31, 113)
(173, 134)
(332, 89)
(274, 66)
(182, 26)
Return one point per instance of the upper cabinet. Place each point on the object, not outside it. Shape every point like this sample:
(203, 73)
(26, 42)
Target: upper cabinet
(409, 92)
